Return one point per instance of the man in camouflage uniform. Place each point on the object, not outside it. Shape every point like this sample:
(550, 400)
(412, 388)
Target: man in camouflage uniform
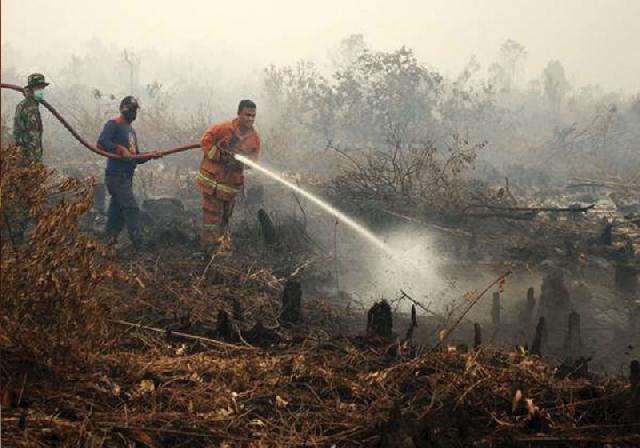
(27, 133)
(27, 124)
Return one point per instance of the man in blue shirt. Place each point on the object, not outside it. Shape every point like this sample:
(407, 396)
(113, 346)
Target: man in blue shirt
(119, 137)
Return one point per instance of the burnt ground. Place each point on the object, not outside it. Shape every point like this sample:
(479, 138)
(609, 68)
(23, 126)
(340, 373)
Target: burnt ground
(198, 352)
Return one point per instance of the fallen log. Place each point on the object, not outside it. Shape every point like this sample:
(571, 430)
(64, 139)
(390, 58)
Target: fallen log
(535, 209)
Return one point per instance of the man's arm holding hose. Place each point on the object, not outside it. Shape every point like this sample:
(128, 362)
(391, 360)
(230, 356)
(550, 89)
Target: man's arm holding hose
(155, 154)
(209, 143)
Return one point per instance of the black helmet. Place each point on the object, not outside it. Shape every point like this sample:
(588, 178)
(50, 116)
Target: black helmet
(129, 103)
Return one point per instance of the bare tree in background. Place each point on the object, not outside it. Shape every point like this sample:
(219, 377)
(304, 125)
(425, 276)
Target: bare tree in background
(509, 68)
(555, 83)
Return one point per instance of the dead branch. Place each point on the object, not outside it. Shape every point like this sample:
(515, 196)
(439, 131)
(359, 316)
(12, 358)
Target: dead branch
(180, 334)
(447, 332)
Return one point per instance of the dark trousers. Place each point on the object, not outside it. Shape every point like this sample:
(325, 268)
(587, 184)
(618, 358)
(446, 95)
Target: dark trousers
(123, 208)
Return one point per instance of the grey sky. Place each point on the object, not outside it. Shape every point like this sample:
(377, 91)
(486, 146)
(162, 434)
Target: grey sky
(596, 40)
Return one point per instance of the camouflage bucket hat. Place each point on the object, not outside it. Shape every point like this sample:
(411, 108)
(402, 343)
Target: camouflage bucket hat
(36, 80)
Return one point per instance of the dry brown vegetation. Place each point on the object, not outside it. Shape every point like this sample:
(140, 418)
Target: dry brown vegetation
(50, 313)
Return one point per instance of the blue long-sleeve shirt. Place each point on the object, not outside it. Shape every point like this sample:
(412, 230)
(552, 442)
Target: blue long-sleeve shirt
(117, 132)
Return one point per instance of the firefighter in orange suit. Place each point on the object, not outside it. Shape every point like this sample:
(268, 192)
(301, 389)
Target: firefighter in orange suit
(221, 176)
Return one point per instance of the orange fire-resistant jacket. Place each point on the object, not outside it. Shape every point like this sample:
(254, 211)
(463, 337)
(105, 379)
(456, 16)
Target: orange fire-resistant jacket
(215, 177)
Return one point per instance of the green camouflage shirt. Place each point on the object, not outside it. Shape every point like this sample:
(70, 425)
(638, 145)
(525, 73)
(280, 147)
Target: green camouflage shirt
(27, 129)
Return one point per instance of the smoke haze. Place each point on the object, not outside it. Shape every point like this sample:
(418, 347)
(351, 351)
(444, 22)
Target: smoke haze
(595, 39)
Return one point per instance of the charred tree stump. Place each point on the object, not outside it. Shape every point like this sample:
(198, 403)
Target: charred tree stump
(538, 340)
(573, 340)
(531, 306)
(379, 320)
(224, 328)
(477, 335)
(269, 233)
(292, 302)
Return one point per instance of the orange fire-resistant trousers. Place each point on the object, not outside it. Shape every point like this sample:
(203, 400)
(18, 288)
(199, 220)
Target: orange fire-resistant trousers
(216, 214)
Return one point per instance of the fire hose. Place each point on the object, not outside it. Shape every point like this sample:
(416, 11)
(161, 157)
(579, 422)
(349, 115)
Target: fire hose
(95, 149)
